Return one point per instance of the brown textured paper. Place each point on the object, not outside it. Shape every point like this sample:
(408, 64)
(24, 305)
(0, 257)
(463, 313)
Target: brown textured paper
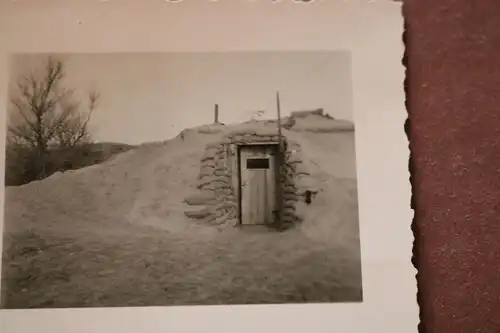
(453, 81)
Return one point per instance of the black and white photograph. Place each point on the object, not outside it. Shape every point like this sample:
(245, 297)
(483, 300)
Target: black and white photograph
(180, 179)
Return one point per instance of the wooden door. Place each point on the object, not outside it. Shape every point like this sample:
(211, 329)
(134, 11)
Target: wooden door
(257, 184)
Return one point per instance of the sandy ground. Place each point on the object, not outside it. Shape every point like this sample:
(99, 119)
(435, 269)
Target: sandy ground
(115, 235)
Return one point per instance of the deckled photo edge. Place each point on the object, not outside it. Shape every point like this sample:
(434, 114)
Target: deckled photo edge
(144, 311)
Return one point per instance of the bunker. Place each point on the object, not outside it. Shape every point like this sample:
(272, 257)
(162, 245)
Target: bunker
(239, 181)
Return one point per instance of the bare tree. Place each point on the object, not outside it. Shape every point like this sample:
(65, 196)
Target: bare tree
(47, 114)
(73, 130)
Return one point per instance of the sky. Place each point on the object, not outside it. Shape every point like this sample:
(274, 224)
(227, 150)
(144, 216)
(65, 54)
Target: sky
(153, 96)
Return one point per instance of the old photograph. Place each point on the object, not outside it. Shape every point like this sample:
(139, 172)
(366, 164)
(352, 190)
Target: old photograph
(156, 179)
(205, 166)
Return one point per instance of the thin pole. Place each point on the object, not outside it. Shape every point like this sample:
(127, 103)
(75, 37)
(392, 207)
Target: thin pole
(279, 116)
(279, 169)
(216, 114)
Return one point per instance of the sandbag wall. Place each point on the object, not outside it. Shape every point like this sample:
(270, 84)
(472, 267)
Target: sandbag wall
(216, 199)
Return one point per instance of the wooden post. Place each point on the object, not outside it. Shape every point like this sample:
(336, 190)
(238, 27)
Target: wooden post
(216, 114)
(279, 169)
(279, 117)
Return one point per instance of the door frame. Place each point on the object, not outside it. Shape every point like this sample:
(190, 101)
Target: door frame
(275, 151)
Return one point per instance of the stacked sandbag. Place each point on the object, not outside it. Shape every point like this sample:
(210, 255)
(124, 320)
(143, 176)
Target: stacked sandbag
(216, 199)
(225, 208)
(251, 134)
(290, 191)
(201, 202)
